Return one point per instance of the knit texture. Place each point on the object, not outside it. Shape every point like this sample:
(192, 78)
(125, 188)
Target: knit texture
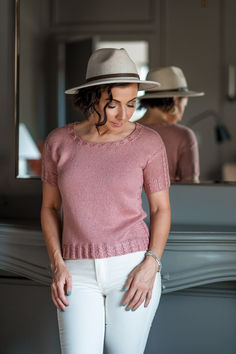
(181, 148)
(100, 185)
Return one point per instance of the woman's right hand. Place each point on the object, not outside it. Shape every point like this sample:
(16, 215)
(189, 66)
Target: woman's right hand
(61, 286)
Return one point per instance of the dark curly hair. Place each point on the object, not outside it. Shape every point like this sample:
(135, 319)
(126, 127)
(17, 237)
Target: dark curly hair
(87, 98)
(164, 103)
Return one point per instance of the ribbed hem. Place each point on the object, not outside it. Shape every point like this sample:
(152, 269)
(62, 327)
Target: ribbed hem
(104, 250)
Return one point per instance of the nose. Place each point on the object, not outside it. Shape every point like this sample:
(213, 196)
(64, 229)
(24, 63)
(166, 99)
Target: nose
(121, 114)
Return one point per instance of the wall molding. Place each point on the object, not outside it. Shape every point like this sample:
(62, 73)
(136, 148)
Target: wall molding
(195, 258)
(191, 258)
(23, 252)
(207, 292)
(74, 13)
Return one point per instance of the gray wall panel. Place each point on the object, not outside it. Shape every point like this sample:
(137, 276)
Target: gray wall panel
(194, 323)
(77, 12)
(200, 320)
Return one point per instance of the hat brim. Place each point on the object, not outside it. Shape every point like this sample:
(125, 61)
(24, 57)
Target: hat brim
(143, 84)
(163, 94)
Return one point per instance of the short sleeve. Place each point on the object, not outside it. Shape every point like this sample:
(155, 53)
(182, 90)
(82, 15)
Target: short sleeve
(49, 168)
(188, 164)
(156, 172)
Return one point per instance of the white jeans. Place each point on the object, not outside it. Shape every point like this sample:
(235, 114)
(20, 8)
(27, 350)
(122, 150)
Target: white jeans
(95, 320)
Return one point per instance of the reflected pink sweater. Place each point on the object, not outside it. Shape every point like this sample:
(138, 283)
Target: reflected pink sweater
(100, 186)
(181, 148)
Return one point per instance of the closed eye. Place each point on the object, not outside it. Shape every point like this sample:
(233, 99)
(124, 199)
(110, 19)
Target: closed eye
(132, 104)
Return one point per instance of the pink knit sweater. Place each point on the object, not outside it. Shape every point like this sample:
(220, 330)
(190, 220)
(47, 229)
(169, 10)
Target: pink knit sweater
(100, 186)
(181, 148)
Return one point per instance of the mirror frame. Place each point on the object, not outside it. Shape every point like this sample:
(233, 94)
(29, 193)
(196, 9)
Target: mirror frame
(16, 85)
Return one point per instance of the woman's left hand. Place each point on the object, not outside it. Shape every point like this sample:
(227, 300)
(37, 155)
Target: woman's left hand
(139, 284)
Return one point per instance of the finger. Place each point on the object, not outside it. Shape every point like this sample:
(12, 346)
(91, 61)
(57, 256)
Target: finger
(128, 283)
(128, 296)
(141, 300)
(61, 292)
(148, 298)
(68, 285)
(135, 299)
(54, 298)
(62, 306)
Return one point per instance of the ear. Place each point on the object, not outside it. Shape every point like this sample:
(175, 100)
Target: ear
(176, 100)
(175, 108)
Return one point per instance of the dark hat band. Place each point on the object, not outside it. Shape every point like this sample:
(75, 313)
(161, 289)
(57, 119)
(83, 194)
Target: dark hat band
(110, 76)
(180, 89)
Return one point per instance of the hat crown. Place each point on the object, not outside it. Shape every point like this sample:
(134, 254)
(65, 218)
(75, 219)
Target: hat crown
(170, 78)
(110, 61)
(112, 66)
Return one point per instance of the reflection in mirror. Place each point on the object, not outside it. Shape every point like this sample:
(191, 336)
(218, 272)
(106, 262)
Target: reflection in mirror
(221, 136)
(52, 54)
(47, 65)
(33, 90)
(165, 109)
(29, 153)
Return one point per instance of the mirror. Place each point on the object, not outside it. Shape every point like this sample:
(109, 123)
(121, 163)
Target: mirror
(54, 39)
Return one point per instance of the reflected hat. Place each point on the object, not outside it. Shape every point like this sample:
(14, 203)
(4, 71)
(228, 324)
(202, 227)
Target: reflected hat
(173, 83)
(108, 66)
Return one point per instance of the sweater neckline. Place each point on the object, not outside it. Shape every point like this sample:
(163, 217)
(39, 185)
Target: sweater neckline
(76, 137)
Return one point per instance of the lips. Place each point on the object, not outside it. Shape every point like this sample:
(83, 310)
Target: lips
(117, 124)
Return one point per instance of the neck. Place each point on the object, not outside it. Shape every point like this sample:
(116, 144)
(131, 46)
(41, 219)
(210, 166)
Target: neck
(90, 127)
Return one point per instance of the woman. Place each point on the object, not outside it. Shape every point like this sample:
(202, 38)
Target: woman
(104, 265)
(165, 108)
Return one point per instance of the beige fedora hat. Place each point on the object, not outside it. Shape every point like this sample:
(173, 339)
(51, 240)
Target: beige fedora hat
(108, 66)
(173, 83)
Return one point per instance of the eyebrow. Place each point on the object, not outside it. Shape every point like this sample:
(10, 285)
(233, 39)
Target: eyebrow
(108, 99)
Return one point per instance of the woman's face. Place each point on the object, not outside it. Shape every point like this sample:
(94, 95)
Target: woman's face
(121, 108)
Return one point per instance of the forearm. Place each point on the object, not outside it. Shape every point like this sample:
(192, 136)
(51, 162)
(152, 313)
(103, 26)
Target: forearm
(159, 230)
(51, 227)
